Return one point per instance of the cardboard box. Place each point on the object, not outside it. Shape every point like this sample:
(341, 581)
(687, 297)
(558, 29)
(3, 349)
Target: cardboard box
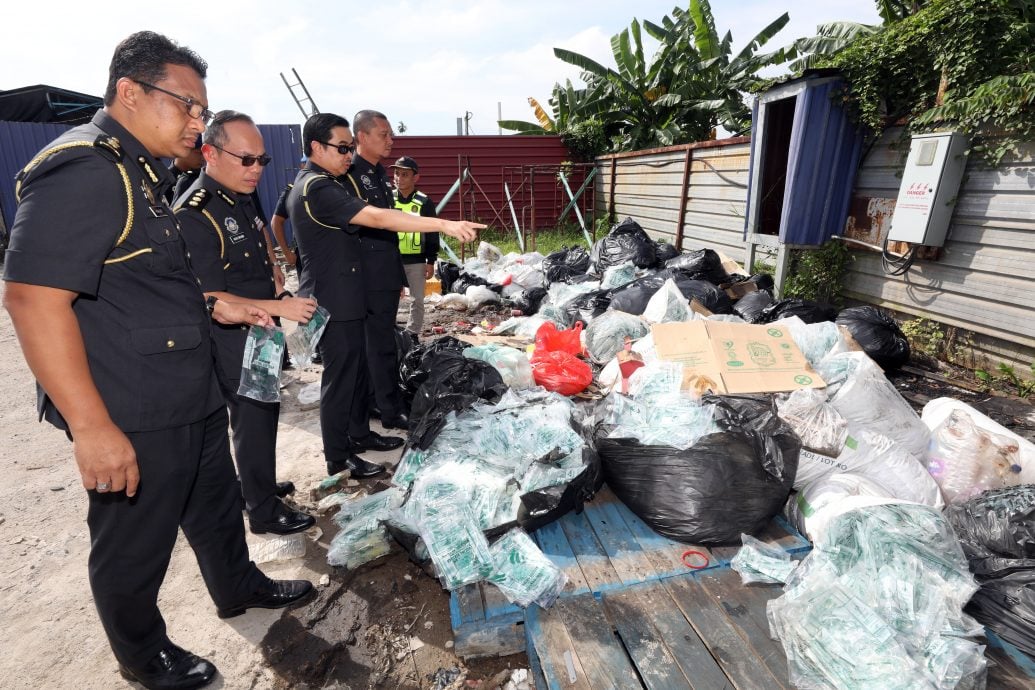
(735, 358)
(433, 286)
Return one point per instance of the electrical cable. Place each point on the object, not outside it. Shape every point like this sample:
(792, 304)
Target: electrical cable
(897, 264)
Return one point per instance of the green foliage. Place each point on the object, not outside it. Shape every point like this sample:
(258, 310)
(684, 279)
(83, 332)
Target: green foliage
(818, 274)
(1024, 388)
(978, 51)
(546, 241)
(693, 83)
(925, 336)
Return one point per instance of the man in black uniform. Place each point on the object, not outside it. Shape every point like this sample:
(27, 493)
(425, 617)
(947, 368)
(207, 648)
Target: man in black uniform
(185, 171)
(229, 256)
(382, 265)
(116, 332)
(418, 251)
(322, 212)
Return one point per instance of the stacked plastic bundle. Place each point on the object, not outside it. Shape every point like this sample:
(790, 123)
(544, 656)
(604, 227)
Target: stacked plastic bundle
(879, 603)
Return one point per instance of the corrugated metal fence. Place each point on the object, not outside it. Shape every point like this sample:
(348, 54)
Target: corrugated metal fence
(982, 280)
(693, 195)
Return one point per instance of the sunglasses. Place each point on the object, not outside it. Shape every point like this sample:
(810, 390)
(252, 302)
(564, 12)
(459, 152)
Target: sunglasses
(341, 148)
(248, 161)
(194, 109)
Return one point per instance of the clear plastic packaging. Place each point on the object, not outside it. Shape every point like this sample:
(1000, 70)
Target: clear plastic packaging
(966, 460)
(302, 341)
(757, 561)
(617, 276)
(668, 305)
(878, 603)
(260, 368)
(822, 428)
(606, 334)
(277, 548)
(523, 573)
(815, 340)
(359, 542)
(511, 363)
(455, 543)
(371, 507)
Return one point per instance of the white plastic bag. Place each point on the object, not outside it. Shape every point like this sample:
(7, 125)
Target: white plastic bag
(668, 305)
(966, 460)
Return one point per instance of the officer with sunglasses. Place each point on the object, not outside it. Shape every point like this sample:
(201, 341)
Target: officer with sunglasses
(229, 253)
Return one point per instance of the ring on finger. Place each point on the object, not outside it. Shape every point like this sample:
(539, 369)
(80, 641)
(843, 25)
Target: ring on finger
(103, 486)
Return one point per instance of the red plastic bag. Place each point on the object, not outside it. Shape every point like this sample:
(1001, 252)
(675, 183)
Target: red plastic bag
(561, 372)
(549, 339)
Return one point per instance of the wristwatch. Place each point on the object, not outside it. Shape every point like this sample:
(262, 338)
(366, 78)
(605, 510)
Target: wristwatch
(210, 304)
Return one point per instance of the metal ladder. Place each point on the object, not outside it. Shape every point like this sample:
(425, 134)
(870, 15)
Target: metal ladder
(300, 102)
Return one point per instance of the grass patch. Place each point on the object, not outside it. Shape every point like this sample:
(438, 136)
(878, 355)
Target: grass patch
(546, 241)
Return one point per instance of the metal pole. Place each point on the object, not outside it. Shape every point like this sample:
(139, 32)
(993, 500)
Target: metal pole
(578, 211)
(513, 214)
(571, 203)
(683, 188)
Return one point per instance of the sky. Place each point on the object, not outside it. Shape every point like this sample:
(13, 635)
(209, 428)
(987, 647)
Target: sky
(422, 64)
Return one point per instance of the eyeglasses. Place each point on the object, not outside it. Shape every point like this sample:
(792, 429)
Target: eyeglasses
(341, 148)
(194, 109)
(248, 161)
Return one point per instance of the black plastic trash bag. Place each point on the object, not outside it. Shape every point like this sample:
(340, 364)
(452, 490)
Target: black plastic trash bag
(626, 242)
(414, 367)
(543, 506)
(750, 306)
(878, 334)
(447, 273)
(806, 310)
(663, 251)
(701, 264)
(454, 383)
(632, 297)
(561, 265)
(588, 306)
(997, 533)
(728, 483)
(764, 281)
(528, 301)
(467, 280)
(711, 298)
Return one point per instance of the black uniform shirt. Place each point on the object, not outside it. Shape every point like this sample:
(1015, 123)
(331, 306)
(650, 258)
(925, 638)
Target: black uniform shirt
(382, 264)
(228, 253)
(320, 209)
(141, 314)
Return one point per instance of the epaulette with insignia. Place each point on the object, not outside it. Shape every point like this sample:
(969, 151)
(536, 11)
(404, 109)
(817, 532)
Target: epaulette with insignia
(109, 144)
(148, 170)
(226, 197)
(197, 200)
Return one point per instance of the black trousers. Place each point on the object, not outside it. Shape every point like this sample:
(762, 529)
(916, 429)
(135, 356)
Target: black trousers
(186, 481)
(343, 388)
(382, 309)
(254, 426)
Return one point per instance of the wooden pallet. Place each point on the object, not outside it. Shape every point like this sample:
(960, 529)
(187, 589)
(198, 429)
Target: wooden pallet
(606, 547)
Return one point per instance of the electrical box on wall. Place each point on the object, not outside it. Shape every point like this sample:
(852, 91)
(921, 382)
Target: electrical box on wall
(930, 184)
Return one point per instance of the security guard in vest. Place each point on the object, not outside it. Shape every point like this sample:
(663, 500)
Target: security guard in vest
(419, 250)
(326, 212)
(116, 332)
(229, 256)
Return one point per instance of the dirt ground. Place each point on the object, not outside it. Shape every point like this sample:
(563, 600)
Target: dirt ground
(385, 625)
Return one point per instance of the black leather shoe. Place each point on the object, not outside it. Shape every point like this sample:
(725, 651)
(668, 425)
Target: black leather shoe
(357, 467)
(285, 521)
(399, 421)
(375, 441)
(375, 412)
(172, 669)
(277, 595)
(285, 489)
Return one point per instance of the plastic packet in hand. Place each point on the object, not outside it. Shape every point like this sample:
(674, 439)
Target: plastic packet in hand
(757, 561)
(523, 573)
(260, 368)
(303, 340)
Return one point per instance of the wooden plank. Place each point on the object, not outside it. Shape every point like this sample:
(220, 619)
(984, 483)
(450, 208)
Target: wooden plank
(465, 605)
(665, 555)
(535, 666)
(745, 606)
(496, 602)
(707, 616)
(599, 651)
(666, 650)
(554, 543)
(1010, 667)
(554, 649)
(627, 557)
(593, 560)
(499, 636)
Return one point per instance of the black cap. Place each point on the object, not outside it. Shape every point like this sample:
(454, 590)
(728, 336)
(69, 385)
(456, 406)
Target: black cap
(405, 162)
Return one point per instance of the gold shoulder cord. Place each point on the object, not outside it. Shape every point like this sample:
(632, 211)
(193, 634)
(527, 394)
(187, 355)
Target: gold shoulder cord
(305, 199)
(127, 187)
(219, 233)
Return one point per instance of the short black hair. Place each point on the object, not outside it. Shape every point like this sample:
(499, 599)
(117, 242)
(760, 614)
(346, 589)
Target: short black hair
(143, 56)
(364, 120)
(318, 128)
(215, 133)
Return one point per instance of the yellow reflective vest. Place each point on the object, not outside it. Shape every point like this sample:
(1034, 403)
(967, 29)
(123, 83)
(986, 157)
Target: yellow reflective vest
(410, 242)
